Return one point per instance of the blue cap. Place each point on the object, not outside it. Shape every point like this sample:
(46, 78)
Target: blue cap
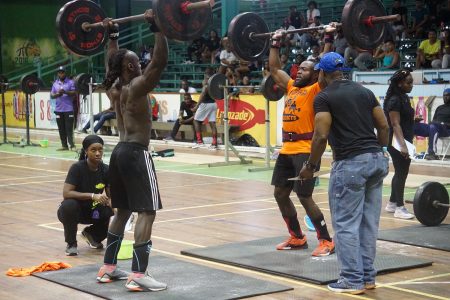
(61, 69)
(331, 62)
(447, 91)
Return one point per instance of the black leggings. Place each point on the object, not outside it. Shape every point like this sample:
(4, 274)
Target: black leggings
(65, 122)
(73, 212)
(401, 166)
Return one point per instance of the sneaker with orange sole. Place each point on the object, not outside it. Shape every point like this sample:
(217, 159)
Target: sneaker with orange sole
(293, 243)
(325, 248)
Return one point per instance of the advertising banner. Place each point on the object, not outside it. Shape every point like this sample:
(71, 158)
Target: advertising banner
(15, 109)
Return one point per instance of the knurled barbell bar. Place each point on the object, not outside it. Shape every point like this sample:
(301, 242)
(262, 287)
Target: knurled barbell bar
(80, 29)
(29, 84)
(431, 203)
(268, 87)
(363, 25)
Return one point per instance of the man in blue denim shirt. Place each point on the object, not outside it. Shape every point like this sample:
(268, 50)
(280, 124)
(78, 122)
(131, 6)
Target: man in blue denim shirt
(347, 114)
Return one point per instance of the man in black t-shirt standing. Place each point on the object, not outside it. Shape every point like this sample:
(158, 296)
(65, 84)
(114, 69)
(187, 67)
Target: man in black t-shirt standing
(185, 116)
(347, 114)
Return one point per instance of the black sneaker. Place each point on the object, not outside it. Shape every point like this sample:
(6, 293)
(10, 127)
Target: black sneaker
(431, 156)
(90, 240)
(71, 249)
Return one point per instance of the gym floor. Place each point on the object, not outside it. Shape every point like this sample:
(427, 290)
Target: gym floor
(226, 204)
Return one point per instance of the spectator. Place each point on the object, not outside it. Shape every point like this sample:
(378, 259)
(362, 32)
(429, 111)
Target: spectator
(227, 58)
(433, 8)
(400, 116)
(317, 34)
(185, 88)
(185, 116)
(400, 26)
(242, 69)
(390, 57)
(444, 15)
(360, 58)
(194, 51)
(439, 127)
(285, 64)
(101, 117)
(249, 89)
(63, 90)
(211, 48)
(154, 106)
(290, 40)
(314, 56)
(265, 69)
(340, 43)
(295, 18)
(445, 48)
(429, 52)
(420, 20)
(86, 197)
(312, 12)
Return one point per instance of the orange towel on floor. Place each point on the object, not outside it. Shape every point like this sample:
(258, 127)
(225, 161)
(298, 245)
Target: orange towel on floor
(46, 266)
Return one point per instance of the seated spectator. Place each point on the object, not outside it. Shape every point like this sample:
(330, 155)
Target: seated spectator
(154, 106)
(389, 55)
(248, 89)
(421, 19)
(101, 117)
(194, 51)
(358, 59)
(429, 52)
(312, 12)
(290, 40)
(340, 43)
(186, 88)
(211, 48)
(314, 56)
(439, 127)
(400, 26)
(433, 7)
(295, 18)
(86, 197)
(227, 58)
(185, 116)
(285, 64)
(317, 35)
(445, 48)
(265, 69)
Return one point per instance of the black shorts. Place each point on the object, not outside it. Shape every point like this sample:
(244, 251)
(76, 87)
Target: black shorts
(133, 178)
(288, 166)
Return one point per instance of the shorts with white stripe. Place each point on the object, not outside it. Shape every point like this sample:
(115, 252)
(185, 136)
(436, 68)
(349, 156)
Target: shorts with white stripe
(133, 178)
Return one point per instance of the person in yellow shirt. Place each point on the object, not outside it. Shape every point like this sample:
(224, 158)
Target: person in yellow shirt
(429, 52)
(298, 129)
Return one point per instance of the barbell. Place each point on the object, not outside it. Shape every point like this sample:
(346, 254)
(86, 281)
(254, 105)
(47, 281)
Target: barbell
(363, 25)
(80, 28)
(218, 82)
(29, 84)
(431, 203)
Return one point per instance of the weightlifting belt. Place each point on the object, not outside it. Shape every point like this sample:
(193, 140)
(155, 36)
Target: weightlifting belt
(292, 136)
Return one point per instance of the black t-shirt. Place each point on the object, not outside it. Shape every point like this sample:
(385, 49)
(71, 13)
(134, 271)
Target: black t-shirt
(296, 19)
(87, 181)
(442, 114)
(186, 110)
(402, 105)
(212, 44)
(403, 11)
(207, 98)
(352, 128)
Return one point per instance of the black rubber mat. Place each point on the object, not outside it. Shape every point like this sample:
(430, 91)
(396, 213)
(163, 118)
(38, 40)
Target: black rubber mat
(434, 237)
(261, 255)
(185, 281)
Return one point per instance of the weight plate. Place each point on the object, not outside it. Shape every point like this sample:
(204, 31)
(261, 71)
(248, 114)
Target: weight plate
(177, 25)
(425, 211)
(270, 89)
(215, 85)
(30, 84)
(71, 35)
(356, 32)
(244, 47)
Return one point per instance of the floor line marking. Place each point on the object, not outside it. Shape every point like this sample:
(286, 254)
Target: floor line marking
(417, 293)
(30, 177)
(35, 169)
(31, 201)
(32, 182)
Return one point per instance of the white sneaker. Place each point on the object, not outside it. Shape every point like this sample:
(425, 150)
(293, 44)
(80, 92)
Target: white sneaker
(402, 213)
(391, 207)
(196, 146)
(213, 147)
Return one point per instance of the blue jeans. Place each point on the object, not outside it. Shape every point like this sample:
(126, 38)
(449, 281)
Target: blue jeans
(101, 118)
(433, 131)
(355, 194)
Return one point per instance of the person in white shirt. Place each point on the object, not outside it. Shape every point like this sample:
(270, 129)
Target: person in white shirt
(312, 12)
(185, 88)
(227, 58)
